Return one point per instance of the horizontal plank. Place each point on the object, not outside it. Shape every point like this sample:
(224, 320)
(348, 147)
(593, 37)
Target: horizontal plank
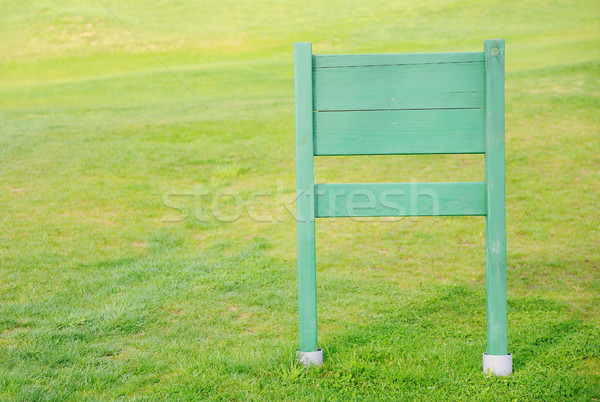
(353, 60)
(400, 199)
(409, 86)
(442, 131)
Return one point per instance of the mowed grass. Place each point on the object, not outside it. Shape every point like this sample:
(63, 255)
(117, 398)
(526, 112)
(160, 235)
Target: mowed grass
(117, 281)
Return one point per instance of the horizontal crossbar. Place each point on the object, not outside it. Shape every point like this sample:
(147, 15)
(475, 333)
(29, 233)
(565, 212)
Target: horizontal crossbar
(441, 131)
(356, 60)
(405, 86)
(400, 199)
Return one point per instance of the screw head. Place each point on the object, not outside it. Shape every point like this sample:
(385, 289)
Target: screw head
(494, 51)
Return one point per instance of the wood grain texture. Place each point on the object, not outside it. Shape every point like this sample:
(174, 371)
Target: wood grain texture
(400, 199)
(355, 60)
(305, 205)
(495, 225)
(407, 86)
(439, 131)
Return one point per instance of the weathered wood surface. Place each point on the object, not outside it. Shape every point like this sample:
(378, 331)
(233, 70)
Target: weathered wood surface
(305, 203)
(400, 199)
(495, 223)
(441, 131)
(355, 60)
(403, 86)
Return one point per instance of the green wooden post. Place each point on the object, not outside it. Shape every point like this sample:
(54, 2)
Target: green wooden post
(495, 222)
(305, 206)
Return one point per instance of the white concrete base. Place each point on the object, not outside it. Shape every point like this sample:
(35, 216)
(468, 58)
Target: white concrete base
(310, 358)
(499, 365)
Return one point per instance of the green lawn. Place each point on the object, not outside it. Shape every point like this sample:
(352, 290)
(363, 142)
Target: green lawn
(116, 280)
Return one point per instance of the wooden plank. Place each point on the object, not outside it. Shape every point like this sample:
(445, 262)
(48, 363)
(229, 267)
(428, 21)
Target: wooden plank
(354, 60)
(410, 86)
(305, 205)
(495, 223)
(400, 199)
(399, 132)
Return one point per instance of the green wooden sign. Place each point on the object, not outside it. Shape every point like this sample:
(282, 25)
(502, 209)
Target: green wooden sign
(434, 103)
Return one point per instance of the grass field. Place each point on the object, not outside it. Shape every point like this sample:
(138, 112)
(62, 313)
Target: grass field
(117, 282)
